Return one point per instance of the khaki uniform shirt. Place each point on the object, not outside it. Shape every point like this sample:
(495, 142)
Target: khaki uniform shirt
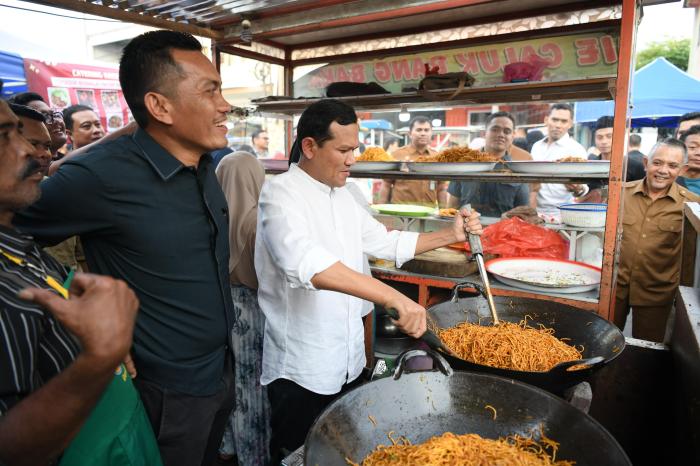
(650, 253)
(413, 191)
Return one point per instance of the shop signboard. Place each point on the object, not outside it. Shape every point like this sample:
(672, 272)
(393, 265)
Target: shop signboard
(66, 84)
(569, 57)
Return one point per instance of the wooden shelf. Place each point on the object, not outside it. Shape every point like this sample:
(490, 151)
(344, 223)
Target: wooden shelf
(587, 300)
(596, 88)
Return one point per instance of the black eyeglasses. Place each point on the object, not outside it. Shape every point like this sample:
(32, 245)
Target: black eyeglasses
(52, 116)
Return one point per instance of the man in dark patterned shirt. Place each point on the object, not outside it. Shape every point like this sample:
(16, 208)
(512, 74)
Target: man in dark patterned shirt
(57, 355)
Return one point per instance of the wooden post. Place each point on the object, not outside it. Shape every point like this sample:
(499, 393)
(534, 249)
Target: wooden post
(606, 305)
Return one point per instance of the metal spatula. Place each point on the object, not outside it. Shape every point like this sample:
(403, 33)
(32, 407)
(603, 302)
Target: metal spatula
(478, 255)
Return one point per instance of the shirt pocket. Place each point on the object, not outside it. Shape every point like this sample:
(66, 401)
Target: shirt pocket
(669, 232)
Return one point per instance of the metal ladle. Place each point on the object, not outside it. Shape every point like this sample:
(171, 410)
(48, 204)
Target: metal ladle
(478, 255)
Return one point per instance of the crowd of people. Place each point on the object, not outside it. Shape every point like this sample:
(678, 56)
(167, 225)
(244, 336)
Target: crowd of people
(184, 270)
(161, 301)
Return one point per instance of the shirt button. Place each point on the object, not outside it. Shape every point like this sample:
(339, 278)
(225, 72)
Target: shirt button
(644, 236)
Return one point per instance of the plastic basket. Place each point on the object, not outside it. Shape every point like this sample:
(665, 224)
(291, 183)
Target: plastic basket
(585, 214)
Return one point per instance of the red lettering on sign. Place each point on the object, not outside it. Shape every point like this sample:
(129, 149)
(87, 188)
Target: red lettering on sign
(609, 50)
(382, 72)
(489, 61)
(341, 74)
(527, 54)
(401, 70)
(440, 61)
(552, 53)
(587, 51)
(511, 55)
(358, 73)
(418, 69)
(468, 62)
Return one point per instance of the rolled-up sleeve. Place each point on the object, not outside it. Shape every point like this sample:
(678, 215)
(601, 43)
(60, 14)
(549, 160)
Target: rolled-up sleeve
(399, 246)
(286, 236)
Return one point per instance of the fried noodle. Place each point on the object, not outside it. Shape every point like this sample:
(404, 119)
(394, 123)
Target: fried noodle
(375, 154)
(509, 345)
(450, 449)
(459, 154)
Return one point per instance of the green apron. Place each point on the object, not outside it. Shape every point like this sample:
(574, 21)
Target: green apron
(117, 432)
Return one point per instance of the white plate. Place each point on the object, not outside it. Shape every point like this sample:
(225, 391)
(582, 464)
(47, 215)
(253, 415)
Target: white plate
(592, 167)
(374, 166)
(545, 275)
(450, 167)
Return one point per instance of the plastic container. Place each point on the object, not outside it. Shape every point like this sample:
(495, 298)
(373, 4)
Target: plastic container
(585, 214)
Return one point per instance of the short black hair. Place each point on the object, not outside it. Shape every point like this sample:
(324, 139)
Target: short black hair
(561, 106)
(603, 122)
(419, 119)
(69, 111)
(689, 116)
(695, 129)
(495, 115)
(316, 121)
(23, 98)
(257, 133)
(147, 65)
(635, 140)
(27, 112)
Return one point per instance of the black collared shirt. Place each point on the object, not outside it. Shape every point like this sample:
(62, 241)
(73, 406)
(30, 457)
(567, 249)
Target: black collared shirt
(34, 347)
(162, 227)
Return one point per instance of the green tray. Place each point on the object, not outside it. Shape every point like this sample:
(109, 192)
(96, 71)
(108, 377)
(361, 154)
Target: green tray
(404, 210)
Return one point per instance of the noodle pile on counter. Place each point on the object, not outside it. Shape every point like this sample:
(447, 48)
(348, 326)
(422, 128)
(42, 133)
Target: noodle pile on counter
(450, 449)
(375, 154)
(459, 154)
(509, 346)
(573, 159)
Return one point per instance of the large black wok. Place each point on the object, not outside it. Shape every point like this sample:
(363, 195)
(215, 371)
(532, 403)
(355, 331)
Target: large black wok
(602, 341)
(424, 404)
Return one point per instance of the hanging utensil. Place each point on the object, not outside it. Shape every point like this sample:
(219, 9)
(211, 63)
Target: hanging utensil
(478, 255)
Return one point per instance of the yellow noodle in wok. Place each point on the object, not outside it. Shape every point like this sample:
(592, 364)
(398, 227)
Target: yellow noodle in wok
(450, 449)
(508, 346)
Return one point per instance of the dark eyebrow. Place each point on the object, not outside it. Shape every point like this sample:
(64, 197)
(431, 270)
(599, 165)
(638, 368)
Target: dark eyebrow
(7, 126)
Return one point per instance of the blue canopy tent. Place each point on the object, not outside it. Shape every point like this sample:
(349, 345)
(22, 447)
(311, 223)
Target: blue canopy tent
(12, 74)
(660, 94)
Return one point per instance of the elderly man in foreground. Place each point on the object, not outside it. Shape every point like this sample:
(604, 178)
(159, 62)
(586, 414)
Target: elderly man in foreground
(650, 255)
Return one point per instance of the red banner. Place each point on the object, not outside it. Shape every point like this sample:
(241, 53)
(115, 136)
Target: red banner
(66, 84)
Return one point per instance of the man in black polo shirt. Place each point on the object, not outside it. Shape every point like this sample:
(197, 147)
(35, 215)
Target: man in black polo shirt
(149, 210)
(57, 355)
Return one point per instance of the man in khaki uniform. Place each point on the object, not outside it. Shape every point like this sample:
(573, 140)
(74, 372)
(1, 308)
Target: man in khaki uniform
(421, 192)
(650, 255)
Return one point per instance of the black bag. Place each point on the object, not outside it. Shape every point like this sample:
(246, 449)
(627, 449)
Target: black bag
(351, 89)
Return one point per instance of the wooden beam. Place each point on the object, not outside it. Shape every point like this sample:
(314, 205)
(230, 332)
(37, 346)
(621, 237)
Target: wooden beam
(251, 54)
(462, 23)
(613, 221)
(130, 17)
(474, 41)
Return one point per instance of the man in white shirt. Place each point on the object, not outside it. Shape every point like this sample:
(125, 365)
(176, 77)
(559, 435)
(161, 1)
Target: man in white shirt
(309, 260)
(557, 145)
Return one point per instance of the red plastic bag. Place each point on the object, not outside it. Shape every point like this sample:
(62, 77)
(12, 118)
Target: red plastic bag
(516, 238)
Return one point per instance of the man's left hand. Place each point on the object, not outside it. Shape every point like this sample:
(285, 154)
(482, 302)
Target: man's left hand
(467, 222)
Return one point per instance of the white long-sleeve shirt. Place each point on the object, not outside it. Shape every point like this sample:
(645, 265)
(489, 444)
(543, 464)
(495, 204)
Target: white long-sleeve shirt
(550, 196)
(314, 338)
